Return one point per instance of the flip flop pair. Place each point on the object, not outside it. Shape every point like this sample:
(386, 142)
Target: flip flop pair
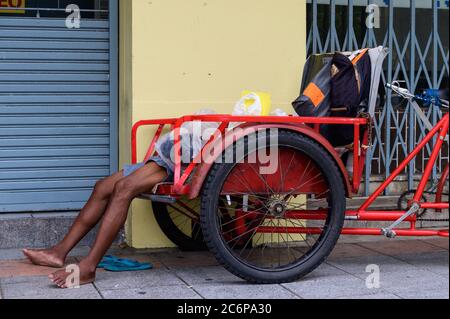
(112, 263)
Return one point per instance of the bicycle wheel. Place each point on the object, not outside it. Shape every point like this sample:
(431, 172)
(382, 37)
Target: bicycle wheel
(180, 223)
(279, 225)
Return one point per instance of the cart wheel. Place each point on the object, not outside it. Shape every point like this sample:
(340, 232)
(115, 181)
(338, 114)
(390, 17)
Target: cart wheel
(273, 225)
(180, 223)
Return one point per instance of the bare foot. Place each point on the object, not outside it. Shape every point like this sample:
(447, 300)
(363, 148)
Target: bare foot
(67, 278)
(45, 257)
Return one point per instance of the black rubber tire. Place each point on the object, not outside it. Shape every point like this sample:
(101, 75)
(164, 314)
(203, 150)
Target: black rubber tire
(176, 235)
(214, 240)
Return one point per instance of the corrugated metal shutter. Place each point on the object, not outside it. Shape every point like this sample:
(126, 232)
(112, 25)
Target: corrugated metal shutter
(54, 112)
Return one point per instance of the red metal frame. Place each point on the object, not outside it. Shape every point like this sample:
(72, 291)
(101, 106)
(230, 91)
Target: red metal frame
(441, 185)
(180, 187)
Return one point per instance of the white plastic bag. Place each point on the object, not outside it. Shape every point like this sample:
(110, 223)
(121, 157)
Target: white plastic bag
(278, 112)
(193, 136)
(241, 108)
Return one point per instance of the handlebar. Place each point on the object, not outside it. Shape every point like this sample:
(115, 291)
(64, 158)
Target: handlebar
(426, 97)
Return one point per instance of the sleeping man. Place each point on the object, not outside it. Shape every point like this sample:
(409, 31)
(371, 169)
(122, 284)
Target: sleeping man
(110, 201)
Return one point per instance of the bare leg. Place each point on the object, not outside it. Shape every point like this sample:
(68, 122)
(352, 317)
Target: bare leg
(86, 220)
(125, 190)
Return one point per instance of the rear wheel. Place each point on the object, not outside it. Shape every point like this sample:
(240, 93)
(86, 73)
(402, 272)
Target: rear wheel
(273, 225)
(180, 222)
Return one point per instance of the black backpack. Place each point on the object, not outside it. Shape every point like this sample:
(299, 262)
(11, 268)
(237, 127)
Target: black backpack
(344, 86)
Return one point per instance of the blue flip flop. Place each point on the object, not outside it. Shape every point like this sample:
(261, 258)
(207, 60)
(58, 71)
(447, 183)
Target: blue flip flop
(107, 260)
(115, 264)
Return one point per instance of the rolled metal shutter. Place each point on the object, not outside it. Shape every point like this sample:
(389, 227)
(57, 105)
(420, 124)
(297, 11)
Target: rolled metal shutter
(55, 107)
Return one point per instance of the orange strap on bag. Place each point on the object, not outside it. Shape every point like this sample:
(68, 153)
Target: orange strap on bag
(314, 93)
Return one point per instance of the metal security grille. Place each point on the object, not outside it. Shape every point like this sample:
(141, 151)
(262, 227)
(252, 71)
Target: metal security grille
(58, 107)
(416, 31)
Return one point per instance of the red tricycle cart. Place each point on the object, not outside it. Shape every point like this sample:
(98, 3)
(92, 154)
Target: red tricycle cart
(268, 197)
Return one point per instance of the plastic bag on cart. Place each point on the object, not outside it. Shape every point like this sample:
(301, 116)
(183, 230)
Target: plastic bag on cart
(193, 136)
(252, 104)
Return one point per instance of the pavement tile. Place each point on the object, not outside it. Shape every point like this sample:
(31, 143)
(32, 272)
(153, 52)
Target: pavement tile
(243, 290)
(350, 250)
(202, 275)
(18, 268)
(357, 265)
(436, 262)
(325, 270)
(375, 296)
(422, 293)
(413, 280)
(42, 288)
(440, 242)
(11, 254)
(165, 292)
(178, 259)
(24, 280)
(398, 247)
(136, 279)
(329, 287)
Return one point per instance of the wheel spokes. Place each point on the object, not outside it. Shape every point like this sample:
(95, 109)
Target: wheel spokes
(270, 228)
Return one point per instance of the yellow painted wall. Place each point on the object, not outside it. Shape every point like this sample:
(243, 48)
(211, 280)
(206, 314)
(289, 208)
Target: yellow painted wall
(179, 56)
(125, 90)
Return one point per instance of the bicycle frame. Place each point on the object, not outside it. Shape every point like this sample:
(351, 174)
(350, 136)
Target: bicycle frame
(363, 214)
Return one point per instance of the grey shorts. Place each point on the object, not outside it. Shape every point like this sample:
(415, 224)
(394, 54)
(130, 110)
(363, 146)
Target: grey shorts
(130, 169)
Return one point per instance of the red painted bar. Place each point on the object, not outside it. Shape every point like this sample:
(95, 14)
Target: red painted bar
(135, 129)
(356, 150)
(441, 184)
(361, 216)
(352, 231)
(435, 205)
(153, 143)
(434, 155)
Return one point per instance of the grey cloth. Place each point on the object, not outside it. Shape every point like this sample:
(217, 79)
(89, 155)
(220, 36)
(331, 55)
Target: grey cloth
(166, 149)
(130, 169)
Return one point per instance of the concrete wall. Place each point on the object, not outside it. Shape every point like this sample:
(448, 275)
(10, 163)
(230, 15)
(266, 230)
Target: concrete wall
(178, 56)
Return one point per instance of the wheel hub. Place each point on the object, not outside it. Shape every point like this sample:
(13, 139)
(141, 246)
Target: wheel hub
(277, 208)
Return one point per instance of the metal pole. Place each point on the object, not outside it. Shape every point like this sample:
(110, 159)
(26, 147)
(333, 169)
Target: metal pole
(333, 25)
(412, 88)
(314, 26)
(370, 152)
(350, 26)
(114, 84)
(435, 68)
(389, 95)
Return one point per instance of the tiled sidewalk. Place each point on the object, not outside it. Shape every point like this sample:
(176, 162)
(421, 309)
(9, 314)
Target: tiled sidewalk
(413, 268)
